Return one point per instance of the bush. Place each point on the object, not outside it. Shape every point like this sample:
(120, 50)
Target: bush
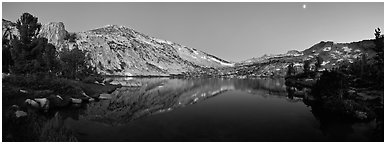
(74, 64)
(330, 84)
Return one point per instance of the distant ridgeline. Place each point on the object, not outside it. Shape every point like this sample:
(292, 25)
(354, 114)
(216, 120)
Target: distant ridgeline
(332, 55)
(118, 50)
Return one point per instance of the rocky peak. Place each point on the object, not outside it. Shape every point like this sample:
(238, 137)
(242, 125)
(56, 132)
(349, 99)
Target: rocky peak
(55, 32)
(9, 29)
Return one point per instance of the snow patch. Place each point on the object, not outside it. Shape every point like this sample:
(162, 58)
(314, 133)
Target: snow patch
(325, 62)
(222, 63)
(327, 49)
(337, 52)
(195, 52)
(356, 56)
(298, 64)
(160, 67)
(162, 41)
(357, 51)
(128, 74)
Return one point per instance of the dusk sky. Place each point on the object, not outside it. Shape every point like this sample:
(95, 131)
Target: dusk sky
(231, 31)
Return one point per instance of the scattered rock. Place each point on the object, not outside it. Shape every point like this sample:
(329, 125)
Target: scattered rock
(105, 96)
(23, 91)
(32, 103)
(43, 102)
(76, 101)
(91, 99)
(351, 92)
(361, 115)
(366, 96)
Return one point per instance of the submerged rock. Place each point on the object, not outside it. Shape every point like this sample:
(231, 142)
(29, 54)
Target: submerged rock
(20, 114)
(361, 115)
(105, 96)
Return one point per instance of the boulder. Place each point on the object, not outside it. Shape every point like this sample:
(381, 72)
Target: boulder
(20, 113)
(76, 100)
(32, 103)
(58, 101)
(41, 103)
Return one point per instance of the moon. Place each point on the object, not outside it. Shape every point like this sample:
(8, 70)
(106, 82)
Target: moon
(304, 6)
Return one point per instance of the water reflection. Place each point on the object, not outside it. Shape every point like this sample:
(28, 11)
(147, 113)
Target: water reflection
(157, 95)
(206, 110)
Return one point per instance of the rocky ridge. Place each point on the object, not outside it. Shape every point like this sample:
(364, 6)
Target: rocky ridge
(332, 54)
(118, 50)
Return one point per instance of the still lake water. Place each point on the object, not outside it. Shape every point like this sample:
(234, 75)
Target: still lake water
(163, 109)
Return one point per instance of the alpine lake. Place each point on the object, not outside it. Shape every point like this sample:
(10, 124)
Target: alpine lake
(210, 109)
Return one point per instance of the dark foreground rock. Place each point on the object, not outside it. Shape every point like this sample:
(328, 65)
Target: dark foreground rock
(30, 100)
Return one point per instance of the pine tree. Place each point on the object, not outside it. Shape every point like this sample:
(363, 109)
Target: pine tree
(29, 53)
(6, 55)
(318, 64)
(306, 66)
(379, 49)
(290, 69)
(28, 27)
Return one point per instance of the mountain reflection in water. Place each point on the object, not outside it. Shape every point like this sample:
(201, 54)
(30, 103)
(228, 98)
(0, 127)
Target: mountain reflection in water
(162, 109)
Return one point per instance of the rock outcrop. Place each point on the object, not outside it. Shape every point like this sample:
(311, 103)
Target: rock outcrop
(9, 30)
(55, 33)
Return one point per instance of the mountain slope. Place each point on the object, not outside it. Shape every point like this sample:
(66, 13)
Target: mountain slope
(332, 54)
(118, 50)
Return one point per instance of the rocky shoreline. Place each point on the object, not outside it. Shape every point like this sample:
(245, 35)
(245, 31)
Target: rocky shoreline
(330, 97)
(30, 101)
(361, 104)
